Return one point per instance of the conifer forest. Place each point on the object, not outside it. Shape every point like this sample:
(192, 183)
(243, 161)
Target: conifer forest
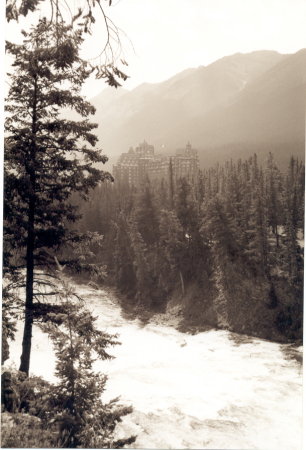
(233, 234)
(166, 313)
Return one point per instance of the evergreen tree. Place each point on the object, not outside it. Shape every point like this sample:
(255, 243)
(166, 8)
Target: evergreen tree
(200, 189)
(44, 160)
(292, 259)
(258, 245)
(254, 171)
(83, 420)
(145, 213)
(274, 183)
(124, 255)
(171, 184)
(144, 282)
(221, 231)
(245, 204)
(187, 212)
(185, 209)
(171, 249)
(125, 197)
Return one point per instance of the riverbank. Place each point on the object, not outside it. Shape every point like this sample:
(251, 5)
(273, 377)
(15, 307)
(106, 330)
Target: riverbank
(193, 312)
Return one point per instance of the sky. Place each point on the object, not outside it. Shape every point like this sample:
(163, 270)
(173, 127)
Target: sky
(165, 37)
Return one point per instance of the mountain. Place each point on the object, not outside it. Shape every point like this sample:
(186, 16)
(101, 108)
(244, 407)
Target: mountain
(268, 114)
(108, 96)
(230, 108)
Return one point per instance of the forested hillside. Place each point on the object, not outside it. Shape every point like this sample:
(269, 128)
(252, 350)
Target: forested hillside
(227, 246)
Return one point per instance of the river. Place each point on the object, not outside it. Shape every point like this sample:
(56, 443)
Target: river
(211, 390)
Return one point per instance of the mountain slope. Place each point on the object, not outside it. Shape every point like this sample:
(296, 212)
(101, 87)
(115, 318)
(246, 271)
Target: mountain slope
(257, 98)
(270, 108)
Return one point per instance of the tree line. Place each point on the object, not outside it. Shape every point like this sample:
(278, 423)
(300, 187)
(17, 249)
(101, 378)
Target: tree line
(235, 231)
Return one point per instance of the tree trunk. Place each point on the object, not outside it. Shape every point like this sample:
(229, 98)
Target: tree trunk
(27, 334)
(26, 343)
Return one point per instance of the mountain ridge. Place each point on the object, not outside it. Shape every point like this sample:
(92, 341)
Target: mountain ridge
(256, 97)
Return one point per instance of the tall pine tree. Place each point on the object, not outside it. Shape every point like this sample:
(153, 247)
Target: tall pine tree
(45, 161)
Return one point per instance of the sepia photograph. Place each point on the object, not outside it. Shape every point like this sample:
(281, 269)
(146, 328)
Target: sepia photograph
(153, 216)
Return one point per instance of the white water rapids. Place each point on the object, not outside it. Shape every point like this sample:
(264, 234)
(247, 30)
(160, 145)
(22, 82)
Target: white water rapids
(212, 390)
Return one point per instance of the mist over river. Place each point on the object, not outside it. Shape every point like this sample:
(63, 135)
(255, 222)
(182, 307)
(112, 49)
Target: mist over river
(214, 390)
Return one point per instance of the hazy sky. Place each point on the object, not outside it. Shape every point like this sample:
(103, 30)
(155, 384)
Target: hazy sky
(172, 35)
